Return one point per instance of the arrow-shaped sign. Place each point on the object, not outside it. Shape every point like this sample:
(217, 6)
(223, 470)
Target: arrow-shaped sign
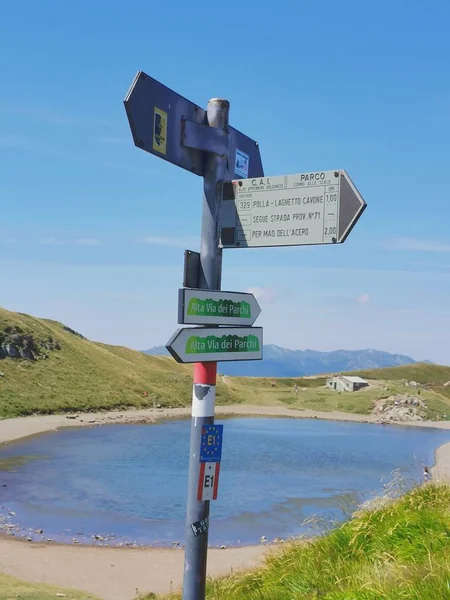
(216, 344)
(289, 210)
(204, 307)
(351, 206)
(175, 129)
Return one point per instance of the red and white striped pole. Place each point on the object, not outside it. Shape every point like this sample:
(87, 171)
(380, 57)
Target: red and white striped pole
(205, 379)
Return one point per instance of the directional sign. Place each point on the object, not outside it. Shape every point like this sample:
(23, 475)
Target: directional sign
(169, 126)
(203, 344)
(203, 307)
(289, 210)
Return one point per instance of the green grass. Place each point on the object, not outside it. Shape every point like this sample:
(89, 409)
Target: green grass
(421, 372)
(443, 391)
(89, 376)
(85, 376)
(313, 395)
(400, 551)
(11, 588)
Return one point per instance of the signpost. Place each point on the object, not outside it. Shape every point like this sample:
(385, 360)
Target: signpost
(241, 208)
(204, 307)
(289, 210)
(213, 344)
(167, 125)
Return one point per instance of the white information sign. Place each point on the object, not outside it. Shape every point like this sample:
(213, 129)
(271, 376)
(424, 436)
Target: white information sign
(289, 210)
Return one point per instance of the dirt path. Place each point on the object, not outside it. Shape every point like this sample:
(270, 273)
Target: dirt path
(14, 429)
(113, 573)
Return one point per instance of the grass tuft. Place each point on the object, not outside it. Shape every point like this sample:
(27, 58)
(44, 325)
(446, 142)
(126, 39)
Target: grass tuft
(398, 551)
(12, 588)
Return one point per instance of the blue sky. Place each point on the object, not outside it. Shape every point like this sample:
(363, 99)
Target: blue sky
(92, 230)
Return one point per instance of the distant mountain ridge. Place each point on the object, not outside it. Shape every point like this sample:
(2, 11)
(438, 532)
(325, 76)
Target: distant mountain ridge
(282, 362)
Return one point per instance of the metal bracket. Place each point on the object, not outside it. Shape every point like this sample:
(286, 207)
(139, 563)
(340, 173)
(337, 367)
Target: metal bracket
(191, 273)
(204, 137)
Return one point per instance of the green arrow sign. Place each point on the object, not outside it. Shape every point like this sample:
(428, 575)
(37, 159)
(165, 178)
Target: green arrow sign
(213, 344)
(204, 307)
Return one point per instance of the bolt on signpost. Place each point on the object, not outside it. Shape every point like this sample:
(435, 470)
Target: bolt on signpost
(241, 208)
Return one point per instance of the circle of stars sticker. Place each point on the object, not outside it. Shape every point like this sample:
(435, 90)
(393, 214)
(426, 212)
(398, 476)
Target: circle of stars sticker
(211, 443)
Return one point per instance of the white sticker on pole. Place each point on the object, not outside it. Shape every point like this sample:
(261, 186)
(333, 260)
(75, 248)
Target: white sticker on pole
(241, 163)
(203, 400)
(208, 481)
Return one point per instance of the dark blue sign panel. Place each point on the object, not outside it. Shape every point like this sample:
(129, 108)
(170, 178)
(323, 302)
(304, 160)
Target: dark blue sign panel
(158, 119)
(211, 443)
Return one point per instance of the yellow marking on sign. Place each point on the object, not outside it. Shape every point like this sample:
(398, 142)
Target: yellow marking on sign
(159, 130)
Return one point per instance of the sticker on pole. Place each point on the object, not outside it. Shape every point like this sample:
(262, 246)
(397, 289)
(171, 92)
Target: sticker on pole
(211, 443)
(200, 527)
(241, 163)
(208, 481)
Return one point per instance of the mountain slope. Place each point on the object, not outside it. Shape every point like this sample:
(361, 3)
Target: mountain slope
(281, 362)
(46, 367)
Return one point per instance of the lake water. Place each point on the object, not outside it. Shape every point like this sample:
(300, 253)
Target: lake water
(128, 482)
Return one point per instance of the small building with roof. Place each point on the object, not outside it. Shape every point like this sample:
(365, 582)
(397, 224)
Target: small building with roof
(346, 383)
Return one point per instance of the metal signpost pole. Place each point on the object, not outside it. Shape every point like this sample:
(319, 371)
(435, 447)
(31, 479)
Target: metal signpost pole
(249, 210)
(204, 385)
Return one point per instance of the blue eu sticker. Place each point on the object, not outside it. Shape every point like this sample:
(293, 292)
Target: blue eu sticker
(211, 443)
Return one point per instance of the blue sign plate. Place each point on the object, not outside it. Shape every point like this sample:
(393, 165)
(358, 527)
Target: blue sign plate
(159, 118)
(211, 443)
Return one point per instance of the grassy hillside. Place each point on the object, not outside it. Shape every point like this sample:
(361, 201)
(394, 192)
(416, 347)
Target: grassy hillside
(65, 372)
(313, 395)
(420, 372)
(85, 376)
(400, 551)
(11, 588)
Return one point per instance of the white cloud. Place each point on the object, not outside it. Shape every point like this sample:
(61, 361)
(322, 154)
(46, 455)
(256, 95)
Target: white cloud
(88, 242)
(114, 140)
(433, 265)
(10, 240)
(16, 142)
(363, 299)
(126, 297)
(54, 116)
(40, 113)
(170, 242)
(408, 244)
(264, 294)
(52, 241)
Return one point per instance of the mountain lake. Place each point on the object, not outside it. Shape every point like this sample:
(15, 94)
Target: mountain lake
(126, 484)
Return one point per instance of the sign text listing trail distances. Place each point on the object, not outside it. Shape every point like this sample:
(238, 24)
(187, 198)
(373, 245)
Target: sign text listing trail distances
(289, 210)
